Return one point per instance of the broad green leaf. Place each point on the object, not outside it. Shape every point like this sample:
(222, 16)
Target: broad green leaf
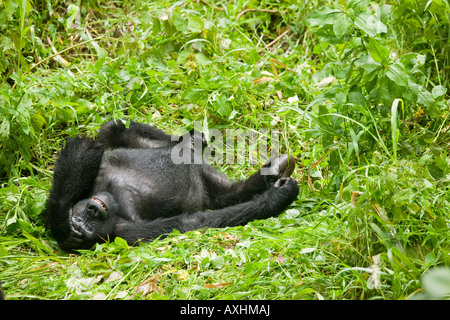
(425, 98)
(179, 22)
(371, 67)
(438, 91)
(413, 58)
(252, 267)
(341, 25)
(4, 130)
(218, 262)
(201, 58)
(378, 52)
(370, 24)
(358, 5)
(355, 96)
(322, 17)
(396, 73)
(193, 94)
(156, 26)
(384, 13)
(37, 121)
(183, 56)
(436, 172)
(437, 282)
(120, 242)
(440, 223)
(222, 106)
(195, 24)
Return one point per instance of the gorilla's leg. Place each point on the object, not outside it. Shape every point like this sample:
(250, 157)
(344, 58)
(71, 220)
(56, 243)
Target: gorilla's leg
(270, 203)
(224, 193)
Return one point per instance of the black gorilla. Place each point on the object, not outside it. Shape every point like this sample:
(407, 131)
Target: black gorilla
(125, 184)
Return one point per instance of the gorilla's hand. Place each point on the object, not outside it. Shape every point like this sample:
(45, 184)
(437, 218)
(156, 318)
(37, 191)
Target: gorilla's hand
(75, 238)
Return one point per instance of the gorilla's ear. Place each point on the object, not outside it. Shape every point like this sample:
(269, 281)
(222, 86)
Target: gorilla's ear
(73, 179)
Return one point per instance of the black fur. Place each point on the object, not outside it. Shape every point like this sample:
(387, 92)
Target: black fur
(125, 184)
(74, 178)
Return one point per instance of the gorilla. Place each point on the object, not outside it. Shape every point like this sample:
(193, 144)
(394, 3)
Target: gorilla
(125, 184)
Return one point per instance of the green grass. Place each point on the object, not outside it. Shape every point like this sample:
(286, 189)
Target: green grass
(358, 91)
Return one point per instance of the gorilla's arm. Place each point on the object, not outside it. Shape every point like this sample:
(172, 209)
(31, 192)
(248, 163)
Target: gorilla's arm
(270, 203)
(73, 179)
(114, 134)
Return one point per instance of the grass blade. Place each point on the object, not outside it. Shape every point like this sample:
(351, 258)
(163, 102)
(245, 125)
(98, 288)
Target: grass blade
(394, 128)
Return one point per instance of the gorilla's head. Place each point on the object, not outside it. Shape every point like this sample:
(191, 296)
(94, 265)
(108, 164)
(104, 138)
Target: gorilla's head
(94, 217)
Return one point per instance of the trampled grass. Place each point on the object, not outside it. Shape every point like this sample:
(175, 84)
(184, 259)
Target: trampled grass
(358, 91)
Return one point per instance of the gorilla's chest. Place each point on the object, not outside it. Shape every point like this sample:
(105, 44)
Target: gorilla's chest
(148, 184)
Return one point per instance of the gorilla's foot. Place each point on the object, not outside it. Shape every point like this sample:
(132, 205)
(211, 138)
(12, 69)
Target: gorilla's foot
(281, 167)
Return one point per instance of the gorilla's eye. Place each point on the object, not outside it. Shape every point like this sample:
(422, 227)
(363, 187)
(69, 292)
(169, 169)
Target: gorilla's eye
(100, 202)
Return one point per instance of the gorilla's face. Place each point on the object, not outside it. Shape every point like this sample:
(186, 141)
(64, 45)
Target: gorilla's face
(95, 216)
